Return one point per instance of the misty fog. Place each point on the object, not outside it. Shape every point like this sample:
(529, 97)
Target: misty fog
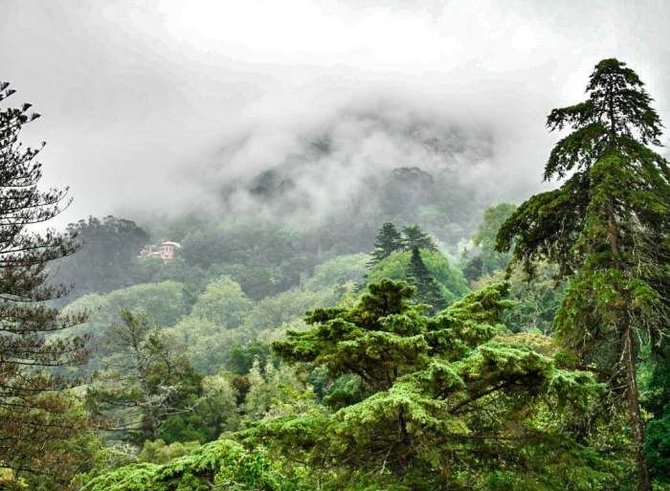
(153, 107)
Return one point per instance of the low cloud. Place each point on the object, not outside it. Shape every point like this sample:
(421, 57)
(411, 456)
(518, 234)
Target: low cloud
(157, 106)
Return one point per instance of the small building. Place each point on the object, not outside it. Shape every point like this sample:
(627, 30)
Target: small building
(164, 251)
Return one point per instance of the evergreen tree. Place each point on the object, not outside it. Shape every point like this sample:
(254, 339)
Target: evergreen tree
(145, 384)
(398, 267)
(35, 419)
(607, 227)
(428, 290)
(388, 241)
(413, 237)
(451, 401)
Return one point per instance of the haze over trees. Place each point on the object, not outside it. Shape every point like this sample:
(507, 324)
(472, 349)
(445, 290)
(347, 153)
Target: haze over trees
(108, 252)
(398, 346)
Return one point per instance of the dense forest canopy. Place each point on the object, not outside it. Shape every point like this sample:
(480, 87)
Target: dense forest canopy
(414, 338)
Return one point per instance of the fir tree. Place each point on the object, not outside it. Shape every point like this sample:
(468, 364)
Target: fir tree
(442, 402)
(35, 418)
(428, 290)
(414, 237)
(607, 227)
(388, 241)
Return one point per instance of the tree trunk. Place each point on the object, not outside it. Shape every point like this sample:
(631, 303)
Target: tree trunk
(628, 359)
(637, 425)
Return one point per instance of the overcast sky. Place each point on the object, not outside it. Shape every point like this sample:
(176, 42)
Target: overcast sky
(138, 96)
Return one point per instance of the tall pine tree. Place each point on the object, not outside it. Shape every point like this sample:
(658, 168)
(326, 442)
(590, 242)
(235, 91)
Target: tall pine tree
(607, 227)
(428, 290)
(388, 241)
(35, 419)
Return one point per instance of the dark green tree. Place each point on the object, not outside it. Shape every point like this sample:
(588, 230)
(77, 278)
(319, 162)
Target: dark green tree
(36, 419)
(107, 257)
(427, 289)
(607, 228)
(415, 238)
(388, 241)
(398, 266)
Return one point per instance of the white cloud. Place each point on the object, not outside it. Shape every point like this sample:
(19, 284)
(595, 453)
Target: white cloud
(140, 96)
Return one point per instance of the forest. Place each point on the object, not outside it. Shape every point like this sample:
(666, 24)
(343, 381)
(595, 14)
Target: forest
(422, 339)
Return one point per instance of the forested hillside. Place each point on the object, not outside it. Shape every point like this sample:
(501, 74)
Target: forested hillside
(416, 338)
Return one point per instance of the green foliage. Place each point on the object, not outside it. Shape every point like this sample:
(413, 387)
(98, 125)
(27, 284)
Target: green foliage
(657, 448)
(213, 413)
(224, 303)
(654, 375)
(607, 229)
(415, 238)
(452, 401)
(264, 258)
(338, 271)
(398, 266)
(438, 402)
(537, 297)
(387, 242)
(273, 392)
(221, 465)
(272, 312)
(213, 326)
(380, 351)
(157, 452)
(106, 459)
(164, 302)
(428, 290)
(486, 260)
(243, 356)
(146, 382)
(207, 345)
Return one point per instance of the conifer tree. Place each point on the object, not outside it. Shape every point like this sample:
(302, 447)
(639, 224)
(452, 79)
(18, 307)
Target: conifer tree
(414, 237)
(452, 401)
(34, 417)
(607, 227)
(428, 290)
(388, 241)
